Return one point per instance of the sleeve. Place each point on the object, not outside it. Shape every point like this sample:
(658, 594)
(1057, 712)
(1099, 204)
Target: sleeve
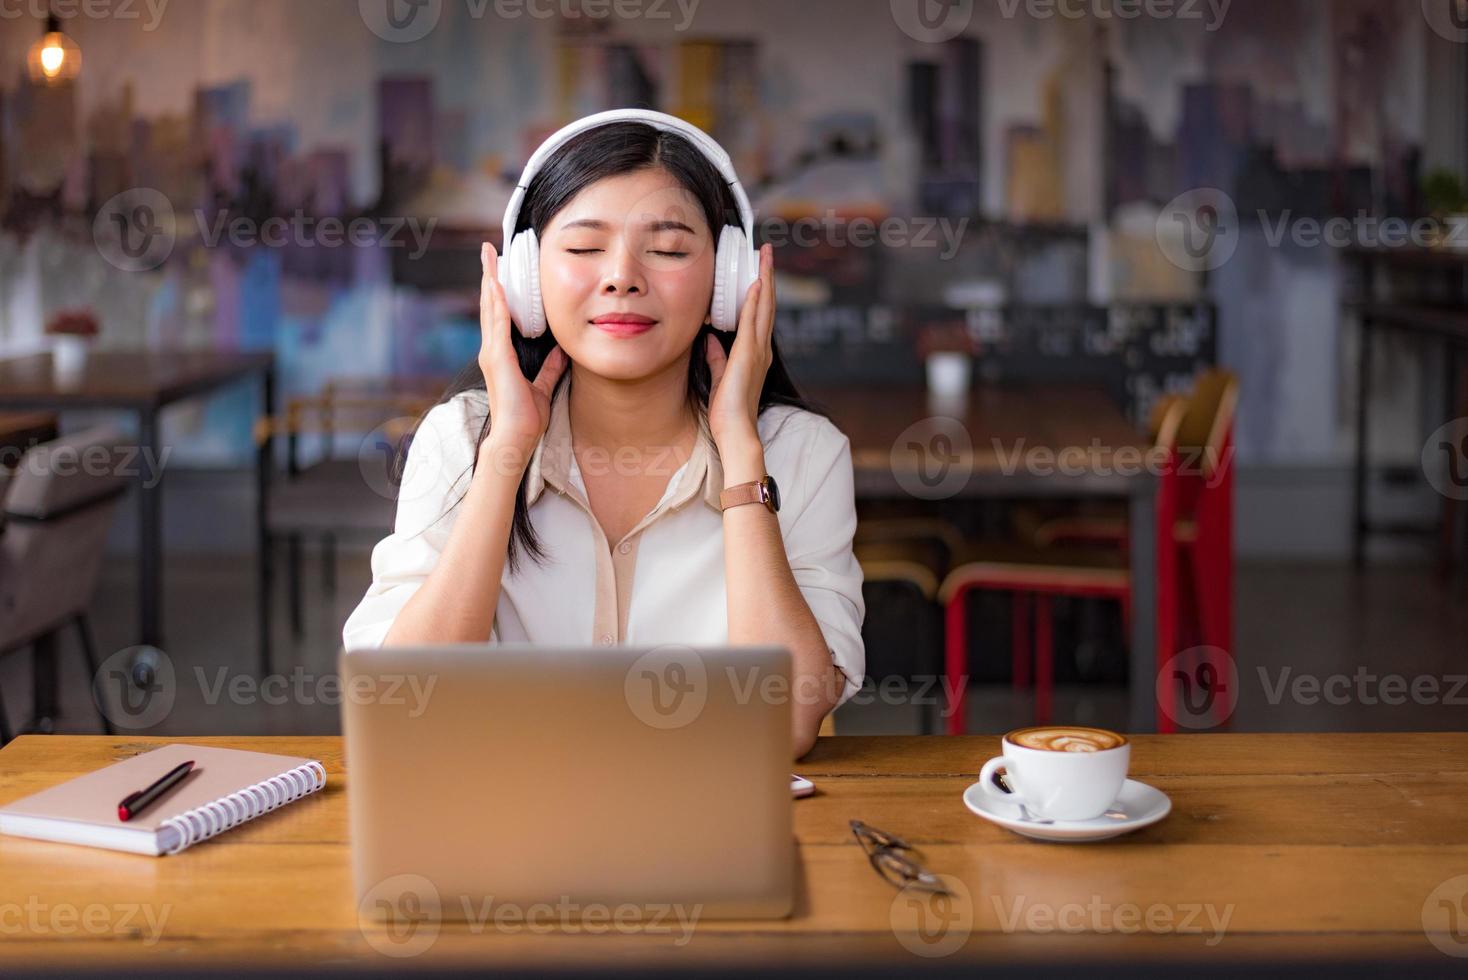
(434, 479)
(818, 545)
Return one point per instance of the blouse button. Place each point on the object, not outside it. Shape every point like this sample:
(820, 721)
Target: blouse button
(606, 639)
(624, 547)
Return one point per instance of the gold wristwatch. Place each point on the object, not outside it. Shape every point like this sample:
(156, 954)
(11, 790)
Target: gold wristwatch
(758, 492)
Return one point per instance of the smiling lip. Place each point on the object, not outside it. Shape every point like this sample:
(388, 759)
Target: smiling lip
(624, 324)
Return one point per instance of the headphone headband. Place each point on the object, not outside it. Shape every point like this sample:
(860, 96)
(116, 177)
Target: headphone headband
(658, 120)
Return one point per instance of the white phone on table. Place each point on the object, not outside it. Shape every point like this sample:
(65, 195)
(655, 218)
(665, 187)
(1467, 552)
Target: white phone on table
(800, 786)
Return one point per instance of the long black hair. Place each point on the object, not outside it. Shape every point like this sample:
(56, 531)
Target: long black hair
(608, 151)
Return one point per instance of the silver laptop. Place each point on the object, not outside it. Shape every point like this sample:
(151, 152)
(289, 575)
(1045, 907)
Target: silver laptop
(585, 778)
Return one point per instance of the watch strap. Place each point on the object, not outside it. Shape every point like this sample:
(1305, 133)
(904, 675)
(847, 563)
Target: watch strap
(742, 493)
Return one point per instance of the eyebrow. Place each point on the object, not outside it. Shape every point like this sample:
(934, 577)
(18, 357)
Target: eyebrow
(596, 224)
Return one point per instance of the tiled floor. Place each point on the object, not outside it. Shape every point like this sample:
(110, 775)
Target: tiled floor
(1316, 622)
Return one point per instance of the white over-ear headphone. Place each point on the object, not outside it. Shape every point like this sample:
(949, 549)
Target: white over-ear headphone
(735, 264)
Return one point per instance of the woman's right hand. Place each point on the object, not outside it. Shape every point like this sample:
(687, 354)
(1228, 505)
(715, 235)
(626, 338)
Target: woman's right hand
(519, 410)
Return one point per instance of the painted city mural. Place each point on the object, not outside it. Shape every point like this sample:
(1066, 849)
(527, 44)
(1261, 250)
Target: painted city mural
(314, 178)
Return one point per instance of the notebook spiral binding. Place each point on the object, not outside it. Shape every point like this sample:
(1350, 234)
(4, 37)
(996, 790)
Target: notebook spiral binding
(229, 811)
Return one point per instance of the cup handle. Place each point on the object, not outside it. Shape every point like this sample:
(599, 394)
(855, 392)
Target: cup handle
(986, 780)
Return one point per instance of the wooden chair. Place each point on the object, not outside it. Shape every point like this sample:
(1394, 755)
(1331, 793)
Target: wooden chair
(903, 561)
(332, 496)
(1204, 526)
(1036, 575)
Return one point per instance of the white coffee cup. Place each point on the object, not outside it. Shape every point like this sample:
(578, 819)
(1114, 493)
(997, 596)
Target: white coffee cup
(1060, 772)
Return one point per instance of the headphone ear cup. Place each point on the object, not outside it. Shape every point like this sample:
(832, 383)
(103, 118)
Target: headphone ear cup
(520, 275)
(735, 268)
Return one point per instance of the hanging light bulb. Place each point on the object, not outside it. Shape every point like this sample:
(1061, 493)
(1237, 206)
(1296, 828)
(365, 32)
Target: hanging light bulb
(55, 58)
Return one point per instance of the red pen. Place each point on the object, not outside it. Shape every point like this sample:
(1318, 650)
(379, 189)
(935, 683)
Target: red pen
(135, 803)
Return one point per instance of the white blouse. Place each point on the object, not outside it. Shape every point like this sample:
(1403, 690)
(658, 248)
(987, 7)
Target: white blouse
(663, 582)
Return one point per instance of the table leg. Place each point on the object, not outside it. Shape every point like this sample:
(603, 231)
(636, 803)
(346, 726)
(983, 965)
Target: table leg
(1143, 668)
(1358, 496)
(43, 685)
(264, 460)
(150, 532)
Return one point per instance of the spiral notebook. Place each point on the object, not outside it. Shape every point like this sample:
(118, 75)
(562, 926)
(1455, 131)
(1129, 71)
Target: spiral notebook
(227, 788)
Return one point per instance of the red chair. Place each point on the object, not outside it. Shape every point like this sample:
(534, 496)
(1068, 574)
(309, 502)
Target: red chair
(1204, 526)
(1036, 575)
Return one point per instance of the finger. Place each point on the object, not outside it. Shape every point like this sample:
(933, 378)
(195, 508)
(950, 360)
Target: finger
(766, 318)
(750, 310)
(551, 370)
(486, 300)
(717, 360)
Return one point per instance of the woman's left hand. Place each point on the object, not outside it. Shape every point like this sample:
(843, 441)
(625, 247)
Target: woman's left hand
(739, 376)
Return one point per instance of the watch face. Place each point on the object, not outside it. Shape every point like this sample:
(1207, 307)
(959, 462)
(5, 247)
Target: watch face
(774, 492)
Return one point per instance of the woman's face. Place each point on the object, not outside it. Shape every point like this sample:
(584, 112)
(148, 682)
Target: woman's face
(627, 274)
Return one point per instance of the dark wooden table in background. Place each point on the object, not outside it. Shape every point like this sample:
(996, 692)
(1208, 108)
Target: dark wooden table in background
(142, 383)
(904, 444)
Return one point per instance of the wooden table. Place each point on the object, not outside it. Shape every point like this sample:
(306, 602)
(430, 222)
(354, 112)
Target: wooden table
(1014, 441)
(142, 383)
(1313, 849)
(19, 431)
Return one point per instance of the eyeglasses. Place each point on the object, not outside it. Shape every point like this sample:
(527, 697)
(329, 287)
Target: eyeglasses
(889, 856)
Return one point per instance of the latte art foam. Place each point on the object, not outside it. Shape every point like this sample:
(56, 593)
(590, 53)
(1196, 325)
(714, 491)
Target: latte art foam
(1067, 739)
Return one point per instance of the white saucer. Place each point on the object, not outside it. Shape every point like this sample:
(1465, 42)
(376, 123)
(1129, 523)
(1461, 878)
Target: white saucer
(1141, 805)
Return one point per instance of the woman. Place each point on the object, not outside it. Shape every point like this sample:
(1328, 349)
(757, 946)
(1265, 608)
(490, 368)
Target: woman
(600, 450)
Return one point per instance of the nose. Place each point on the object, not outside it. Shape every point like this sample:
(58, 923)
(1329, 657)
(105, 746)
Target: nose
(623, 275)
